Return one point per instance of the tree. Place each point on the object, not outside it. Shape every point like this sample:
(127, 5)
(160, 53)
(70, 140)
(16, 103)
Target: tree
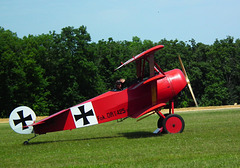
(22, 81)
(76, 76)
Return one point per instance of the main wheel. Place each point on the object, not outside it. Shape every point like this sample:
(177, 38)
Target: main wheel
(173, 123)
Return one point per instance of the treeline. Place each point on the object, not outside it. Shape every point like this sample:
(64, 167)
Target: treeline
(50, 72)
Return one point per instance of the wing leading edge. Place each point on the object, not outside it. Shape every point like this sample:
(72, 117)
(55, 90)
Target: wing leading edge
(146, 53)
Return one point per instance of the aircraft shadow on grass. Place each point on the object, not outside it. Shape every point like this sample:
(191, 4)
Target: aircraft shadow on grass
(139, 134)
(128, 135)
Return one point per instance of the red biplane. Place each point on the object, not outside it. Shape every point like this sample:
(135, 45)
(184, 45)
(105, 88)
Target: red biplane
(143, 98)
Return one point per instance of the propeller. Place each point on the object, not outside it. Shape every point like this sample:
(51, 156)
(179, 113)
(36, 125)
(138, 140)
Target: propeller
(188, 81)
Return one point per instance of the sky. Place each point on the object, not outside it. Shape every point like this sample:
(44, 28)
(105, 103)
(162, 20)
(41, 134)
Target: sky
(201, 20)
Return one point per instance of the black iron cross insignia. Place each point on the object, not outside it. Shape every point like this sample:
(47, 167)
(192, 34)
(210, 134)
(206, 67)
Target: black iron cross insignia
(22, 120)
(84, 115)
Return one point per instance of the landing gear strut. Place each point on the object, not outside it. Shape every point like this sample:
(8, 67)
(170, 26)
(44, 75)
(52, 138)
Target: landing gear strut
(27, 142)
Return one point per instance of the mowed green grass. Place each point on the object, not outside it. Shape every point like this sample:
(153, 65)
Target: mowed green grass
(210, 139)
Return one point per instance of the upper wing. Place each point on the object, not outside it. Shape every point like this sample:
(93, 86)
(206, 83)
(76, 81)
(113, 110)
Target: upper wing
(148, 56)
(141, 55)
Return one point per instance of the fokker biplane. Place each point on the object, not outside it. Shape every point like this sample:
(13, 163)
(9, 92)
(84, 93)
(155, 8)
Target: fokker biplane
(141, 99)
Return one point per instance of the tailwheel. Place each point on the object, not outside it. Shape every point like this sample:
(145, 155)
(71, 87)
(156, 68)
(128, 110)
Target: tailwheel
(173, 123)
(25, 142)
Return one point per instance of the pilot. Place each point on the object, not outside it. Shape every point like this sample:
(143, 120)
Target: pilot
(119, 85)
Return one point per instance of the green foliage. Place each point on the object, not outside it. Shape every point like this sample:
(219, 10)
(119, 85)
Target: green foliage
(53, 71)
(22, 80)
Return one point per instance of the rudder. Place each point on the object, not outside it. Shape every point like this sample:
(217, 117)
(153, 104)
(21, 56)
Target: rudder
(20, 119)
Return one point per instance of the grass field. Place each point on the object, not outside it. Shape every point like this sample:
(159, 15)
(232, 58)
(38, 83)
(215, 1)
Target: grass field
(210, 139)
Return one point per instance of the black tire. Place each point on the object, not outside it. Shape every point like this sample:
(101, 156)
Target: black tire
(25, 142)
(160, 121)
(173, 123)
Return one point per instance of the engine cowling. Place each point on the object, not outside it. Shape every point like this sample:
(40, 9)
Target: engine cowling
(171, 85)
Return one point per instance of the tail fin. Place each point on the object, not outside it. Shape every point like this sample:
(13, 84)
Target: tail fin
(20, 119)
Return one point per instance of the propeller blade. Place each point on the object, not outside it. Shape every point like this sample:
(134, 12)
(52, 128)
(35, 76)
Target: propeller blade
(188, 81)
